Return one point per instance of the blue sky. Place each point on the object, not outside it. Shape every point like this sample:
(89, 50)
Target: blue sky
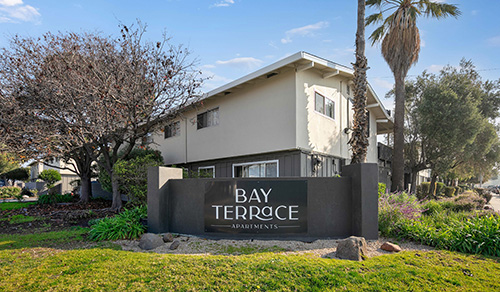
(232, 38)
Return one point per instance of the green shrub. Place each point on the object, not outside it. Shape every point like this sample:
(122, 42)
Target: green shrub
(395, 207)
(449, 192)
(484, 193)
(458, 190)
(55, 198)
(381, 189)
(10, 192)
(132, 176)
(432, 207)
(50, 176)
(136, 153)
(440, 188)
(126, 225)
(422, 191)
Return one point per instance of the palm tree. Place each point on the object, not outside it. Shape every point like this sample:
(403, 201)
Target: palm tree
(359, 137)
(400, 39)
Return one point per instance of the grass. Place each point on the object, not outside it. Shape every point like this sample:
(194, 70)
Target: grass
(45, 239)
(101, 269)
(17, 219)
(14, 205)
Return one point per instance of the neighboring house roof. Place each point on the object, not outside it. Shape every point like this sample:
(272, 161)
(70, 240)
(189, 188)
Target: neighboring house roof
(304, 61)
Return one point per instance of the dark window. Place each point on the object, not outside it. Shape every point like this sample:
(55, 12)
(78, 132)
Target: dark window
(324, 106)
(256, 169)
(206, 172)
(173, 130)
(208, 119)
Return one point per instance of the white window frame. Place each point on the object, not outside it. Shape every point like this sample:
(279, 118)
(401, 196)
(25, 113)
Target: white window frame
(260, 162)
(212, 167)
(324, 105)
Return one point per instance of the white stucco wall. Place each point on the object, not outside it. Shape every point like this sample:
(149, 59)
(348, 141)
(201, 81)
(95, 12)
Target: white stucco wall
(316, 132)
(257, 118)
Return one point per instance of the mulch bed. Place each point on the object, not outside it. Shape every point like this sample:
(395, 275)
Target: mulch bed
(55, 217)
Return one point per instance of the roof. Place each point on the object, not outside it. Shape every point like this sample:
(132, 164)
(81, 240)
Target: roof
(304, 61)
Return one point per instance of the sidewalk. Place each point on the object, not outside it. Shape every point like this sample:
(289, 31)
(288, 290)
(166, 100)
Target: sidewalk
(495, 202)
(32, 199)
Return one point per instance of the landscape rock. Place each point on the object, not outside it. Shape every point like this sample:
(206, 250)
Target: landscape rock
(168, 237)
(25, 197)
(353, 248)
(150, 241)
(388, 246)
(175, 245)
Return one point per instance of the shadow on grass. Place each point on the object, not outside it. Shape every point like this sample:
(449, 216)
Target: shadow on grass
(72, 238)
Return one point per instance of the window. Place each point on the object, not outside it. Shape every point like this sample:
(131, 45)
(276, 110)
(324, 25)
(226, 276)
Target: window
(324, 106)
(173, 130)
(206, 171)
(256, 169)
(208, 119)
(348, 89)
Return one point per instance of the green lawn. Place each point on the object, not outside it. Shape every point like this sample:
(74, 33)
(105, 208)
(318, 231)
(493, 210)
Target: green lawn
(14, 205)
(27, 264)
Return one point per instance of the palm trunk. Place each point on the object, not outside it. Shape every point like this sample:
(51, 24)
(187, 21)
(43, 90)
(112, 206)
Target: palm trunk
(398, 151)
(359, 138)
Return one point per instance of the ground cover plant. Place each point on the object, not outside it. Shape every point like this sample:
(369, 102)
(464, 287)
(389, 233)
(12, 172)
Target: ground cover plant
(125, 225)
(457, 223)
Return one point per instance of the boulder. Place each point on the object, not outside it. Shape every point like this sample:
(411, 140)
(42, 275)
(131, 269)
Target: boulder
(175, 245)
(150, 241)
(388, 246)
(352, 248)
(168, 237)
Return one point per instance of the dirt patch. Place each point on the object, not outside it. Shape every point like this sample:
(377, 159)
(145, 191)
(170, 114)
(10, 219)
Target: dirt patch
(325, 248)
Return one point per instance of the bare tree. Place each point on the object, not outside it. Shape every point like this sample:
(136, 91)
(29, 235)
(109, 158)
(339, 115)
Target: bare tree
(96, 92)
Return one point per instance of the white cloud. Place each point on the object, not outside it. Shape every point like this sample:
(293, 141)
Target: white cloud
(208, 66)
(383, 83)
(14, 11)
(223, 3)
(303, 31)
(244, 62)
(11, 2)
(435, 68)
(494, 41)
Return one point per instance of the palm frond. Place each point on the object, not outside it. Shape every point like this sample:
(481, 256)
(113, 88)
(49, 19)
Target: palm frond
(374, 18)
(441, 10)
(374, 3)
(378, 34)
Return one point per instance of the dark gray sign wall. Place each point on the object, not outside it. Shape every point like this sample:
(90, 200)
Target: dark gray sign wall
(185, 205)
(256, 206)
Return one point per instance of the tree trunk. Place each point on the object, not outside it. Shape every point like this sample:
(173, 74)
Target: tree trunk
(117, 198)
(432, 187)
(359, 138)
(413, 181)
(86, 189)
(398, 166)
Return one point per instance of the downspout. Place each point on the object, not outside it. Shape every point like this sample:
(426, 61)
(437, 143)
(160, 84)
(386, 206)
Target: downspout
(186, 140)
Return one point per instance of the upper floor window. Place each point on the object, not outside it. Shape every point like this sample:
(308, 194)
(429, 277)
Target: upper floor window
(172, 130)
(324, 106)
(208, 118)
(348, 89)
